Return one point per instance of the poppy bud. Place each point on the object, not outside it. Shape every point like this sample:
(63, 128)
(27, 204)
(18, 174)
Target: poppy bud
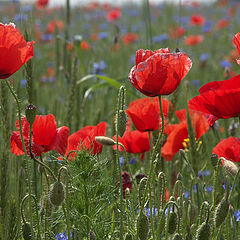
(143, 227)
(57, 193)
(221, 212)
(214, 160)
(30, 112)
(172, 222)
(105, 140)
(128, 236)
(230, 167)
(177, 236)
(189, 234)
(92, 235)
(26, 231)
(141, 190)
(203, 232)
(122, 122)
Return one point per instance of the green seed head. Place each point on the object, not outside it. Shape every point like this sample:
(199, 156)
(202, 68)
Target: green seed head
(57, 193)
(221, 212)
(203, 232)
(172, 222)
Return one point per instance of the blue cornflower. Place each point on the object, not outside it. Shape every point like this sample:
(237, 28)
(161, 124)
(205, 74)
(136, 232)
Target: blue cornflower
(237, 215)
(27, 8)
(20, 17)
(207, 27)
(209, 189)
(121, 159)
(47, 37)
(186, 194)
(195, 83)
(62, 236)
(23, 82)
(225, 63)
(204, 57)
(132, 60)
(160, 38)
(103, 35)
(132, 160)
(147, 211)
(98, 67)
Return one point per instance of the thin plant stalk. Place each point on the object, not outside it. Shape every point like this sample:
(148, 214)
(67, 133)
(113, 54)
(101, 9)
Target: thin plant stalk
(25, 151)
(156, 151)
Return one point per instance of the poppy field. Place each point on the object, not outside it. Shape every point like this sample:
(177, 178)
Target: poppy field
(120, 121)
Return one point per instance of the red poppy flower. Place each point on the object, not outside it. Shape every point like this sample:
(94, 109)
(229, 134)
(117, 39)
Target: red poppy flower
(236, 41)
(145, 113)
(134, 142)
(85, 45)
(178, 132)
(228, 148)
(51, 25)
(113, 15)
(14, 50)
(176, 32)
(130, 38)
(193, 40)
(222, 24)
(42, 3)
(46, 136)
(219, 99)
(160, 72)
(85, 139)
(197, 20)
(126, 182)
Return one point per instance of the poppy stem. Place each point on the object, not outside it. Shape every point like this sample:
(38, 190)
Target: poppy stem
(24, 149)
(155, 154)
(118, 162)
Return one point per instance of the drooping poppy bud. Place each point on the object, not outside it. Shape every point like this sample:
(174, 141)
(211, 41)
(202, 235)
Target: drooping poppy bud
(30, 112)
(57, 193)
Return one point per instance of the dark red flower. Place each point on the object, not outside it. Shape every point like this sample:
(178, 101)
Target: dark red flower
(126, 182)
(113, 15)
(134, 142)
(197, 20)
(14, 50)
(236, 41)
(160, 72)
(177, 133)
(219, 99)
(85, 139)
(193, 40)
(130, 38)
(222, 24)
(42, 3)
(46, 136)
(145, 113)
(228, 148)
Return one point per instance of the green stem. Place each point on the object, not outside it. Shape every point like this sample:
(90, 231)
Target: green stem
(119, 166)
(156, 149)
(86, 205)
(24, 149)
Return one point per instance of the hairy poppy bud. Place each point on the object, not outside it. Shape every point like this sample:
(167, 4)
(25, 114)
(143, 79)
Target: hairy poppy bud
(30, 112)
(105, 140)
(221, 212)
(203, 232)
(177, 236)
(214, 160)
(141, 190)
(26, 231)
(143, 227)
(92, 235)
(230, 167)
(57, 193)
(128, 236)
(122, 122)
(172, 222)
